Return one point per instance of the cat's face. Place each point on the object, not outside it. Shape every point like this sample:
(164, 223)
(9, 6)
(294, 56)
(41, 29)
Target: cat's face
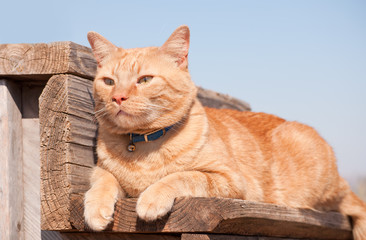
(142, 89)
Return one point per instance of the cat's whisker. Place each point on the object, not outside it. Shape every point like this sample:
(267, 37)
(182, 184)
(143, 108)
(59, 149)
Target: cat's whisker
(100, 110)
(150, 105)
(158, 106)
(101, 114)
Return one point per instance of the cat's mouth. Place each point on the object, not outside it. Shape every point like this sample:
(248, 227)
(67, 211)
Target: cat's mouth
(123, 113)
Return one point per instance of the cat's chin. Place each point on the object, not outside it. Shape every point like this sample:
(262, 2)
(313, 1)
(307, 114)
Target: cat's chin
(125, 127)
(125, 123)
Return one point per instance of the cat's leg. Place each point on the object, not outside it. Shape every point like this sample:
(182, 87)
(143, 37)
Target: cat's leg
(100, 199)
(157, 200)
(354, 207)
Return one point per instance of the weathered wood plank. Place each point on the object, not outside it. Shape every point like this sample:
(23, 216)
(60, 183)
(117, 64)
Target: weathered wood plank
(31, 179)
(213, 99)
(50, 235)
(41, 61)
(202, 236)
(117, 236)
(227, 216)
(11, 162)
(67, 131)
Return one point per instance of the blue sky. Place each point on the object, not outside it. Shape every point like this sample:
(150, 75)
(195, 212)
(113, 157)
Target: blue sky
(301, 60)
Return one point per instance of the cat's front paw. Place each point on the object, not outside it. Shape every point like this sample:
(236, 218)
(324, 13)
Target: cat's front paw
(98, 213)
(153, 204)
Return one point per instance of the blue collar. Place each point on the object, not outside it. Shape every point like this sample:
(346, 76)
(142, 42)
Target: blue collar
(148, 137)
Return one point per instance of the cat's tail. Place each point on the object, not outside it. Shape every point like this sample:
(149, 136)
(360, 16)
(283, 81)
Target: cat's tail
(354, 207)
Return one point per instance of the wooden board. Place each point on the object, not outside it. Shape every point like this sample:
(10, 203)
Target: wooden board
(227, 216)
(213, 99)
(11, 162)
(67, 132)
(31, 179)
(31, 182)
(196, 236)
(42, 60)
(117, 236)
(51, 235)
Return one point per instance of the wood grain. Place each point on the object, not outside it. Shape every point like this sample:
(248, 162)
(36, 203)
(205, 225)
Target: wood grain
(213, 99)
(227, 216)
(11, 162)
(67, 132)
(118, 236)
(51, 235)
(42, 60)
(31, 179)
(196, 236)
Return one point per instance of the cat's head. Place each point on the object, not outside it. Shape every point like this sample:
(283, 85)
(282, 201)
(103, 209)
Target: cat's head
(142, 89)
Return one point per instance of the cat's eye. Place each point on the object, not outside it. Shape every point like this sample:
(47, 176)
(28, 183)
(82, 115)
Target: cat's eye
(108, 81)
(144, 79)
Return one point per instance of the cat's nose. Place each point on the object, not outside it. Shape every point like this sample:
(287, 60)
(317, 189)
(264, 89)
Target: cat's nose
(119, 99)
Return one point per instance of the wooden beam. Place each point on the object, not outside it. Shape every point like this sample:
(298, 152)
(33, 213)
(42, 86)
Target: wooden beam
(227, 216)
(31, 174)
(11, 162)
(117, 236)
(67, 132)
(214, 99)
(203, 236)
(31, 178)
(42, 60)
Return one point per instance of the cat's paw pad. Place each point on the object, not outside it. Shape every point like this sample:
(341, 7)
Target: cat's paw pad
(98, 216)
(151, 206)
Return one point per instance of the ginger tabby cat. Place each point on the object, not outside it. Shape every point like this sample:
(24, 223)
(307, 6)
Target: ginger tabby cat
(197, 151)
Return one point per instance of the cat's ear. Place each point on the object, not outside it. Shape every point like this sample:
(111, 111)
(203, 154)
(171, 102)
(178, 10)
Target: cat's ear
(101, 47)
(177, 46)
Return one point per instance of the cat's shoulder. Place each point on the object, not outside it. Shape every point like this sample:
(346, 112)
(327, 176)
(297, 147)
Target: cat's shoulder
(249, 119)
(243, 115)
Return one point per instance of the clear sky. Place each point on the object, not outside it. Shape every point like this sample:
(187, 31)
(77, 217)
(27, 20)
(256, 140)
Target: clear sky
(301, 60)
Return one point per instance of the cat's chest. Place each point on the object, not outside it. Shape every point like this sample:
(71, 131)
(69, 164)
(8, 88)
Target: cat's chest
(135, 175)
(135, 171)
(135, 182)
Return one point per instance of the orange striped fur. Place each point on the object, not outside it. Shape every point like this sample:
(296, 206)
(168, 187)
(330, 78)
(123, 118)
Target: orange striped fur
(208, 152)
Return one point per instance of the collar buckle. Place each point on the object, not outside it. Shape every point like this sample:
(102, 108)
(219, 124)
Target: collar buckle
(145, 137)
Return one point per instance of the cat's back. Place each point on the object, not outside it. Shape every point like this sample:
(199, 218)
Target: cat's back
(257, 123)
